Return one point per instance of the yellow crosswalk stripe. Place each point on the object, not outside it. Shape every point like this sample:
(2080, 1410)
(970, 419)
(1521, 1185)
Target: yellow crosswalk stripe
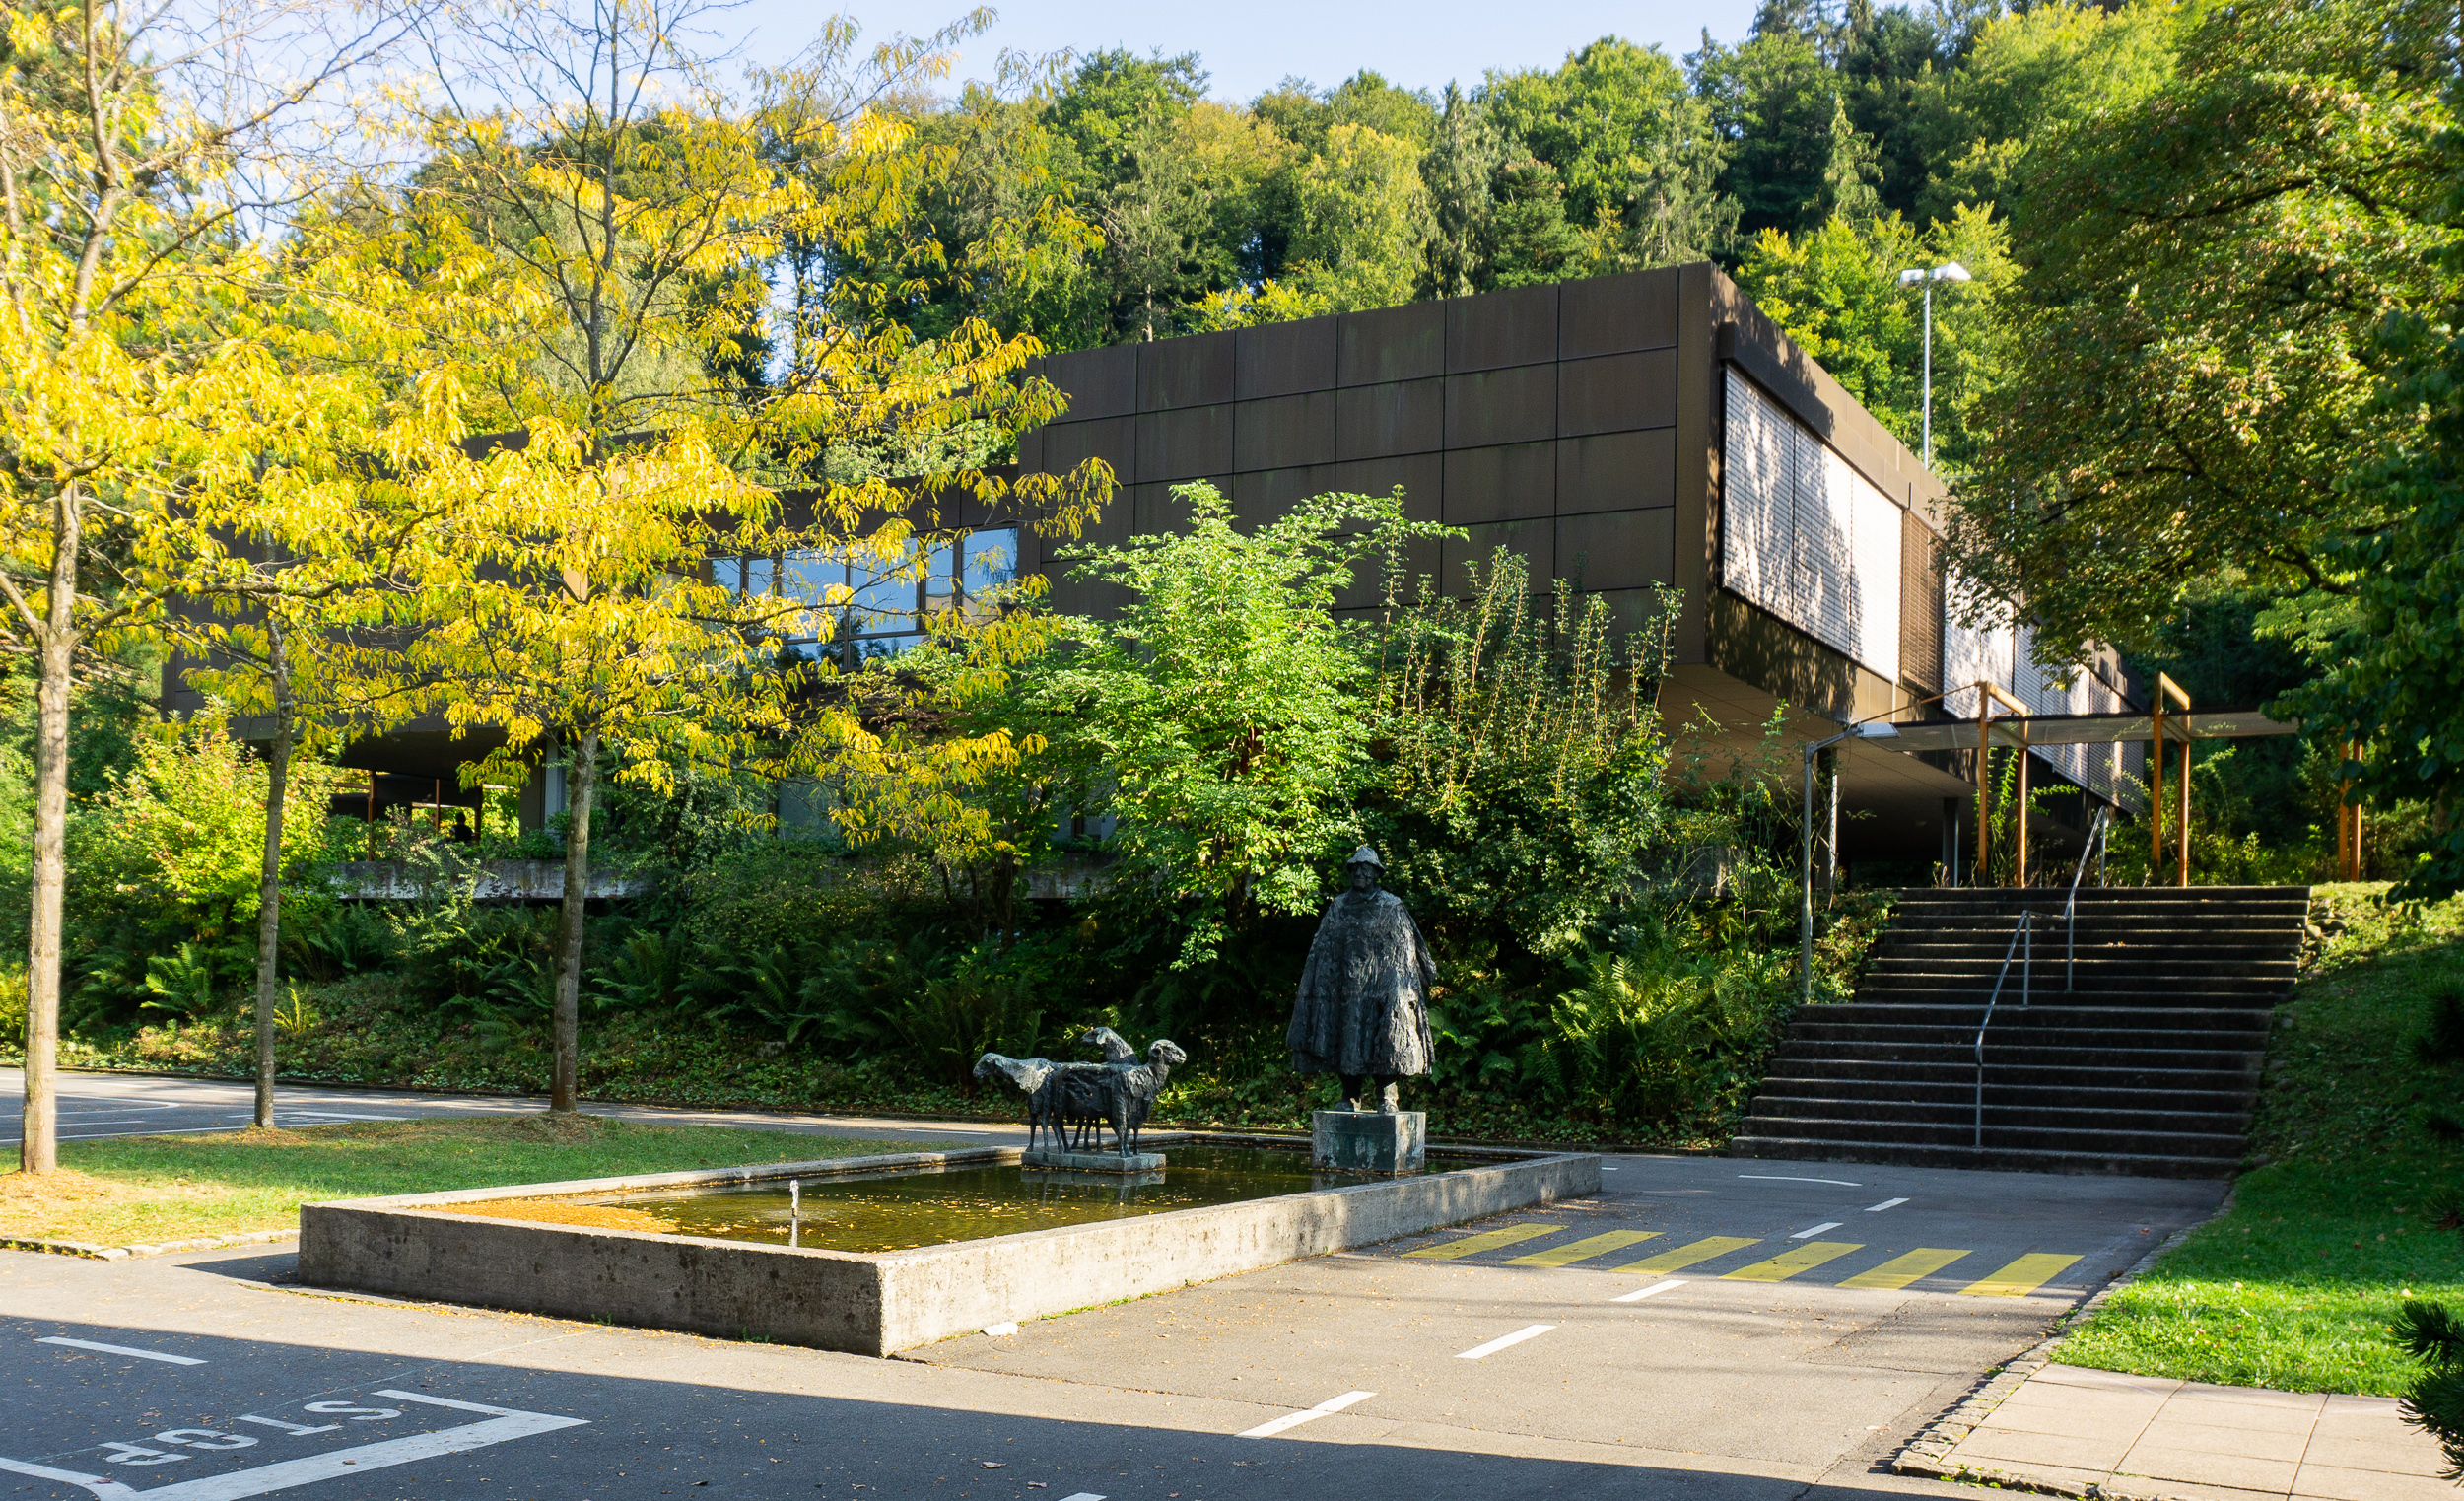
(1583, 1250)
(1788, 1263)
(2021, 1277)
(1686, 1255)
(1900, 1270)
(1486, 1240)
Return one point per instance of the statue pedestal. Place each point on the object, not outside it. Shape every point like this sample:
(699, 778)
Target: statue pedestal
(1368, 1140)
(1094, 1162)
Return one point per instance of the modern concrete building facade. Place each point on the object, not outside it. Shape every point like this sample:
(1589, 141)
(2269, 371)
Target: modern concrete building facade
(1620, 433)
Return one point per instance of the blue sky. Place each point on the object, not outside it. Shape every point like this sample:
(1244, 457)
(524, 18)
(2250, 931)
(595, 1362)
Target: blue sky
(1249, 45)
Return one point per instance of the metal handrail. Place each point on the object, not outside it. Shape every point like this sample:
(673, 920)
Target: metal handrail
(2096, 827)
(2025, 930)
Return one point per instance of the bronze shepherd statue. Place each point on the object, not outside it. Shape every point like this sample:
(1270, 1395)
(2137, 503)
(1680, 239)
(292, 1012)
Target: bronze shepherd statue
(1363, 1009)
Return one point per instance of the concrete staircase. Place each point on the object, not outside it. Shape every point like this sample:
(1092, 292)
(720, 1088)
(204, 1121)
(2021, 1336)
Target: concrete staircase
(2149, 1066)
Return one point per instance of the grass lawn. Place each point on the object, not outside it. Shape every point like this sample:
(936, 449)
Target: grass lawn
(2295, 1288)
(164, 1188)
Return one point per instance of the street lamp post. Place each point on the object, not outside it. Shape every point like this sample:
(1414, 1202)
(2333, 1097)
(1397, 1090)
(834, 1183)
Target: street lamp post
(1864, 729)
(1948, 271)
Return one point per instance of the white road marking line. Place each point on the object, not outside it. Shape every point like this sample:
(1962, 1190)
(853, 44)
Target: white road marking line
(1888, 1203)
(1781, 1178)
(122, 1349)
(1084, 1496)
(1505, 1342)
(1288, 1420)
(1645, 1292)
(503, 1423)
(1828, 1224)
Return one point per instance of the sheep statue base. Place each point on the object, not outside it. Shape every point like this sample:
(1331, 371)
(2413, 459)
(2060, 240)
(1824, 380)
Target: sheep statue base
(1069, 1105)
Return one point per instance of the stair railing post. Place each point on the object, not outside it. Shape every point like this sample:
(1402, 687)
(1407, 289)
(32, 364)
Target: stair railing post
(2025, 925)
(2096, 827)
(1804, 888)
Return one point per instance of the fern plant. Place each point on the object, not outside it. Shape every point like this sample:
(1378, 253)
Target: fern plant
(2435, 1403)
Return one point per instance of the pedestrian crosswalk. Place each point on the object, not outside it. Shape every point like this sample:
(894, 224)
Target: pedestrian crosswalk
(1789, 1261)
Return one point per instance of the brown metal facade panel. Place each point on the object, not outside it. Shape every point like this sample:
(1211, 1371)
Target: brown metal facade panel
(1406, 343)
(1920, 605)
(1616, 471)
(1100, 383)
(1095, 383)
(1279, 432)
(1615, 393)
(1261, 496)
(1031, 451)
(1535, 539)
(1500, 328)
(1158, 510)
(1759, 648)
(1197, 369)
(1699, 395)
(1612, 314)
(1422, 476)
(1501, 406)
(1397, 416)
(1284, 359)
(1113, 440)
(1184, 443)
(1510, 483)
(1616, 549)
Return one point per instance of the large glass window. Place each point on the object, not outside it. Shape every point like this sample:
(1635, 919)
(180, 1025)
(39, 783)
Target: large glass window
(877, 604)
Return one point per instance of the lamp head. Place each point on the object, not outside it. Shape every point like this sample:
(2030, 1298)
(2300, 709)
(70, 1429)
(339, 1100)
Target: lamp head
(1910, 278)
(1952, 271)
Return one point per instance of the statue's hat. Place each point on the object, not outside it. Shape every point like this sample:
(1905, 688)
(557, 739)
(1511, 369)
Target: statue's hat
(1364, 856)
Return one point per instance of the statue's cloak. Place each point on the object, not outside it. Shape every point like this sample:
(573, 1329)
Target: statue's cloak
(1363, 1005)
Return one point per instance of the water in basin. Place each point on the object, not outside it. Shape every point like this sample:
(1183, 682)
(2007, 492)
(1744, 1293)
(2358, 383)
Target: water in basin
(901, 1207)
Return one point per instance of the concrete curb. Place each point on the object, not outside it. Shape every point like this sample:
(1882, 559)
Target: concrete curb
(146, 1248)
(1927, 1455)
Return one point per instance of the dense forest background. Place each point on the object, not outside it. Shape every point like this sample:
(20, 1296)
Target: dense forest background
(1817, 158)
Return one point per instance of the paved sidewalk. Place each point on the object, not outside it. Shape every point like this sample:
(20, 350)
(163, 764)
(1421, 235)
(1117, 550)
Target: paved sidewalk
(2078, 1432)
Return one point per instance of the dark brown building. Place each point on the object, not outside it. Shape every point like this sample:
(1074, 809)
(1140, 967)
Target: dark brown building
(1620, 433)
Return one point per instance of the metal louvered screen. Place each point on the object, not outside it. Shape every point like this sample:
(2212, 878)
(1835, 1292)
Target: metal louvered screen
(1920, 604)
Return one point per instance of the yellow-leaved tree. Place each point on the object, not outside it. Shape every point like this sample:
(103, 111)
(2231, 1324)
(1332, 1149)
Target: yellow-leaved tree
(651, 402)
(143, 159)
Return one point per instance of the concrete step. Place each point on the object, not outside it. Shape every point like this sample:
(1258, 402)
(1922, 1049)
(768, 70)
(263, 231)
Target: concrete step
(1772, 1105)
(2033, 1032)
(2020, 1050)
(1997, 1091)
(2058, 1011)
(2237, 1079)
(2105, 1138)
(2275, 948)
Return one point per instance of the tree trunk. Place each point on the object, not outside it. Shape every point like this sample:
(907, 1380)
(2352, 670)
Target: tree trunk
(269, 880)
(39, 1147)
(581, 775)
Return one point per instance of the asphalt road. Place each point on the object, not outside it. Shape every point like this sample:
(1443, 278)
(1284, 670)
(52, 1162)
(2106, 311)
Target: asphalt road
(95, 1105)
(1467, 1364)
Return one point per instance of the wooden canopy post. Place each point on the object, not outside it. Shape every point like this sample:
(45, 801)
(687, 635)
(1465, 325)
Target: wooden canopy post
(2348, 822)
(2166, 687)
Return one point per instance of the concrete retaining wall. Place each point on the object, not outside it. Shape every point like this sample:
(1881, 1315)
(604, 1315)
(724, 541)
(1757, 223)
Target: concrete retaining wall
(873, 1304)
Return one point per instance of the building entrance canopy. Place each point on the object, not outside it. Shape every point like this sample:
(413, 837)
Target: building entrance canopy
(2014, 731)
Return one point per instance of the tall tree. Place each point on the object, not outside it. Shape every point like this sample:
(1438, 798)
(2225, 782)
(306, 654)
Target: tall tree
(1770, 102)
(1465, 153)
(142, 155)
(633, 211)
(1633, 146)
(2192, 381)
